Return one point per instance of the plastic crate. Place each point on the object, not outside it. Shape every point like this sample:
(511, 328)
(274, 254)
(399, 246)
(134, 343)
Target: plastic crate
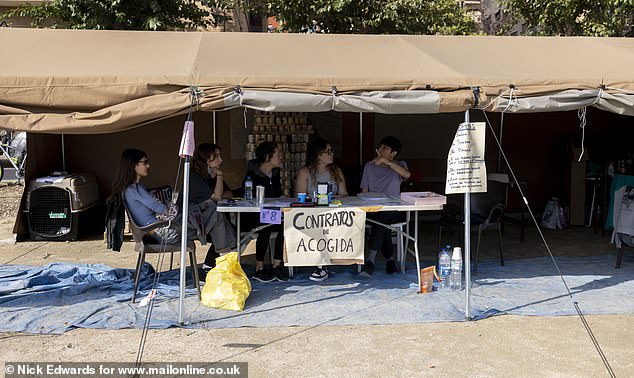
(55, 205)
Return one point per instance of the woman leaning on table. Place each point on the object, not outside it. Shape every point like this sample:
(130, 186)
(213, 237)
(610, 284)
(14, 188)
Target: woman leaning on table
(206, 187)
(320, 167)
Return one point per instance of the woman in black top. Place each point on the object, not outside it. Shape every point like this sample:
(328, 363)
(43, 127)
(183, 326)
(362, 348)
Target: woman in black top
(206, 180)
(206, 187)
(265, 171)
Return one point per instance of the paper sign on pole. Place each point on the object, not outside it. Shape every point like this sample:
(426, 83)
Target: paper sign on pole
(187, 140)
(466, 170)
(324, 236)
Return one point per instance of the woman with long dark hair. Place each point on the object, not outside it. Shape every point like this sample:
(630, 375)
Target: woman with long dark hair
(320, 167)
(146, 209)
(207, 177)
(206, 184)
(143, 207)
(265, 171)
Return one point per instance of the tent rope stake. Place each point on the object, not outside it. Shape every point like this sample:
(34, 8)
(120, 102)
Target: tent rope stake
(530, 211)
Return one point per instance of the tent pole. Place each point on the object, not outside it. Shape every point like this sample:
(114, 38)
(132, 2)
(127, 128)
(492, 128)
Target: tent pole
(467, 246)
(183, 267)
(499, 153)
(361, 139)
(63, 155)
(213, 122)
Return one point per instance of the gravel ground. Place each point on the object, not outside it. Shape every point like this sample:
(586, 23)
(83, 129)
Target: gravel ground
(10, 194)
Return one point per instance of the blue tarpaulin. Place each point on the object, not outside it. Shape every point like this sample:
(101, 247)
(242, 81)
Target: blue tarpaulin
(58, 297)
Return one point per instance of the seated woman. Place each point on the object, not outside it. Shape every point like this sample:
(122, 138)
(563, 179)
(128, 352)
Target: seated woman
(206, 183)
(146, 209)
(265, 171)
(320, 167)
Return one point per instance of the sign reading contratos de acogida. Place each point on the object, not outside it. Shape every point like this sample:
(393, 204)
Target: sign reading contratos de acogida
(324, 236)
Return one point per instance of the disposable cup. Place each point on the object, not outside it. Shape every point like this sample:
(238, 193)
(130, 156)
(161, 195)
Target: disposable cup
(259, 193)
(301, 197)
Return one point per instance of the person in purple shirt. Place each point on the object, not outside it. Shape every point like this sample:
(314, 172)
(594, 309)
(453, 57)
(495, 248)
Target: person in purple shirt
(384, 175)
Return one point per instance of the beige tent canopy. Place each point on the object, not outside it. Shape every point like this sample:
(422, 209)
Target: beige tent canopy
(69, 81)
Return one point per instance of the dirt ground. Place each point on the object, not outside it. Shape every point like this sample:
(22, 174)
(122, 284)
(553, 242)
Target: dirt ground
(497, 346)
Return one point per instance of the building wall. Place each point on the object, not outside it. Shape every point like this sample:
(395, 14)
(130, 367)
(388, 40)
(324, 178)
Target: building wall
(17, 22)
(495, 19)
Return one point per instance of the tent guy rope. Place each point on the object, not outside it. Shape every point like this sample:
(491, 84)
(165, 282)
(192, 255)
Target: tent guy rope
(161, 256)
(530, 211)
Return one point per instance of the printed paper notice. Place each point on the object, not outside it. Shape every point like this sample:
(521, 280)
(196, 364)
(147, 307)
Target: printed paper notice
(466, 170)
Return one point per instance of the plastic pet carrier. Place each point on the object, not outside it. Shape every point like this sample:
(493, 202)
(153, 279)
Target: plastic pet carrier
(56, 203)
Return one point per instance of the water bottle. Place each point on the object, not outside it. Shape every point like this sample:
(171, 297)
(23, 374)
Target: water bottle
(248, 188)
(444, 267)
(456, 269)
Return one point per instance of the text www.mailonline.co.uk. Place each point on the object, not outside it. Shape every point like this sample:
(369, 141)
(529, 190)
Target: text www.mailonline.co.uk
(180, 370)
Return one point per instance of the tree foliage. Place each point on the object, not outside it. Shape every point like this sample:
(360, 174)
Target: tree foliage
(367, 16)
(604, 18)
(124, 14)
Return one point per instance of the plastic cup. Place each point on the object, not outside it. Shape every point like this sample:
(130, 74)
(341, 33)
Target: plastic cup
(259, 190)
(301, 197)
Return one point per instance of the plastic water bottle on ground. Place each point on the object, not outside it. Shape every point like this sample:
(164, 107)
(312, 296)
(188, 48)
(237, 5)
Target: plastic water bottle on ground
(444, 267)
(248, 188)
(456, 269)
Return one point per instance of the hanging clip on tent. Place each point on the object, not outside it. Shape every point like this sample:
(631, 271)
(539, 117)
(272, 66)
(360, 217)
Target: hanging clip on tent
(196, 93)
(334, 94)
(476, 96)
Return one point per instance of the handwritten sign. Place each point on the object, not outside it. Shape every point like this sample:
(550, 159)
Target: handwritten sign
(466, 170)
(324, 236)
(270, 216)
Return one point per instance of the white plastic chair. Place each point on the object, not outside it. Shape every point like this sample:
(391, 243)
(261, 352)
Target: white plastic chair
(399, 241)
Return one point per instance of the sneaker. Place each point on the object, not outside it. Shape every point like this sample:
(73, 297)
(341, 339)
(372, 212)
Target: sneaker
(202, 273)
(390, 267)
(319, 274)
(211, 257)
(368, 269)
(263, 275)
(280, 273)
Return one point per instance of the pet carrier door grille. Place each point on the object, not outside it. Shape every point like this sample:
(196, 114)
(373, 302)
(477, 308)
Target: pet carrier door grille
(50, 212)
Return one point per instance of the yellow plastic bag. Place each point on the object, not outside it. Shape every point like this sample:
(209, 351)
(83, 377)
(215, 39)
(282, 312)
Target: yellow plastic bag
(226, 285)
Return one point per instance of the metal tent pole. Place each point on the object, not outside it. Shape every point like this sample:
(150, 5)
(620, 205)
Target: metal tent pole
(361, 139)
(467, 246)
(63, 155)
(181, 303)
(499, 166)
(213, 122)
